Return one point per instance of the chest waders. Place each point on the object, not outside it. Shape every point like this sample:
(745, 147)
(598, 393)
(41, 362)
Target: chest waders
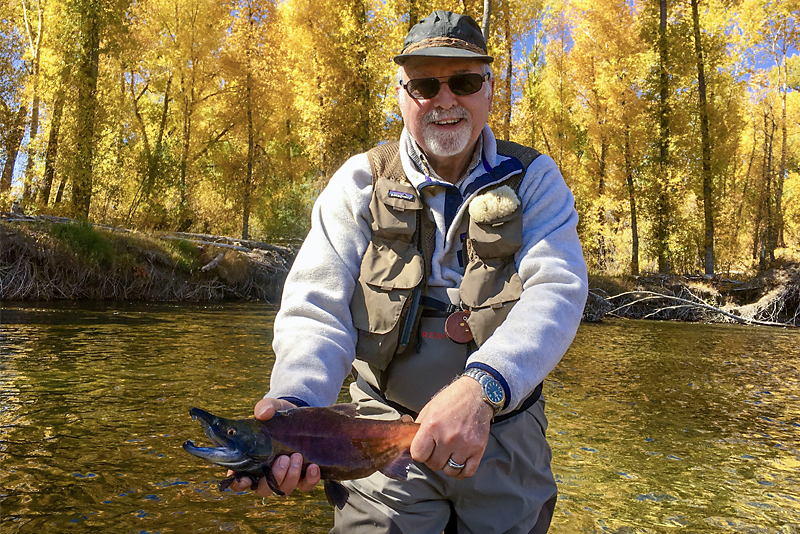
(403, 356)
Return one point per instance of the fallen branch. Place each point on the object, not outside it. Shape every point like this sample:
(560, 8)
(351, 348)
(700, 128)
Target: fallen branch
(652, 295)
(213, 263)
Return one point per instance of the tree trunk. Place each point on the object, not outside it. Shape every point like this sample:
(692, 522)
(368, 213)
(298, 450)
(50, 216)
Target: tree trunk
(487, 15)
(705, 141)
(509, 78)
(35, 44)
(768, 146)
(413, 13)
(632, 201)
(782, 169)
(51, 154)
(86, 110)
(662, 206)
(33, 131)
(248, 182)
(13, 141)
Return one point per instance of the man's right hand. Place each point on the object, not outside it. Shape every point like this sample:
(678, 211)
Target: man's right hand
(285, 469)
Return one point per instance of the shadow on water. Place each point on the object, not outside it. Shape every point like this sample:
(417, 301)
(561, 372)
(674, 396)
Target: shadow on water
(654, 426)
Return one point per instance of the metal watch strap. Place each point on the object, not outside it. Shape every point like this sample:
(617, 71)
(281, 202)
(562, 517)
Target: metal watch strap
(482, 377)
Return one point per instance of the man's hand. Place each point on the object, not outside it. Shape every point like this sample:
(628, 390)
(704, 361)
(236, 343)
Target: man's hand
(285, 469)
(454, 425)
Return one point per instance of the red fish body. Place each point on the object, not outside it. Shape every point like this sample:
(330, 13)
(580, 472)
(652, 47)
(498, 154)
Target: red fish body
(342, 445)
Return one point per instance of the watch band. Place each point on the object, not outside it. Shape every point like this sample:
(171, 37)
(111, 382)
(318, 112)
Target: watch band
(490, 387)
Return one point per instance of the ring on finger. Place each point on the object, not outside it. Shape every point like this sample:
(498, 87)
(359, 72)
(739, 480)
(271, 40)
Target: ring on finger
(454, 465)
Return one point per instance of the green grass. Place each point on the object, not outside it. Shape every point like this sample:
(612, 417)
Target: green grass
(184, 253)
(86, 241)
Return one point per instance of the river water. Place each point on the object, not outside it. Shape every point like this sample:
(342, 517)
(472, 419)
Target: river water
(655, 427)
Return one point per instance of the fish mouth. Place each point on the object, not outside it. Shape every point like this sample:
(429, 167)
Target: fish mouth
(221, 456)
(224, 453)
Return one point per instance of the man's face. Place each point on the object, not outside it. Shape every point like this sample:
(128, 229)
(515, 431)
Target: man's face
(445, 125)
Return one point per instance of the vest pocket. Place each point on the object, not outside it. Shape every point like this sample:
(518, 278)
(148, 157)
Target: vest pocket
(489, 290)
(394, 209)
(499, 238)
(388, 277)
(491, 285)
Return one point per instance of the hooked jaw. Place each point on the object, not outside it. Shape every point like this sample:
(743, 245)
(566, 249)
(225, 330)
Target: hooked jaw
(225, 453)
(235, 446)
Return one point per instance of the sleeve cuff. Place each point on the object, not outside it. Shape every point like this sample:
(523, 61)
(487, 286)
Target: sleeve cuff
(497, 376)
(297, 402)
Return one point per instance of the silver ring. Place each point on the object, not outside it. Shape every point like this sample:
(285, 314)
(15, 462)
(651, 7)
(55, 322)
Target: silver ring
(454, 465)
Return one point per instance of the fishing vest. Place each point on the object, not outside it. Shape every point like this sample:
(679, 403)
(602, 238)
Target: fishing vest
(392, 295)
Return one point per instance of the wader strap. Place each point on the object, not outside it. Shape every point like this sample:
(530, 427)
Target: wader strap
(364, 386)
(436, 308)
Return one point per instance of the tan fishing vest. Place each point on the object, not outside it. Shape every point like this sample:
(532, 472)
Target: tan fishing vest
(396, 267)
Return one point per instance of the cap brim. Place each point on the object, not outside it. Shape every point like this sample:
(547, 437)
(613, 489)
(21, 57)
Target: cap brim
(442, 52)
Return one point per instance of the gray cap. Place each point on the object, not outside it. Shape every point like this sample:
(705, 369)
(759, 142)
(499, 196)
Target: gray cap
(447, 35)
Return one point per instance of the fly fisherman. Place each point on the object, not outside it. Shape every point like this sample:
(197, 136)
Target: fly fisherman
(446, 271)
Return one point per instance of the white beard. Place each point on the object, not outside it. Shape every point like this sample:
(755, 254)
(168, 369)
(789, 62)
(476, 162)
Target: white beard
(444, 144)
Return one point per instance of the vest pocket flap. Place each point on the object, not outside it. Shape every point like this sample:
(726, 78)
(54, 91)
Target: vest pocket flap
(499, 238)
(391, 268)
(399, 195)
(490, 284)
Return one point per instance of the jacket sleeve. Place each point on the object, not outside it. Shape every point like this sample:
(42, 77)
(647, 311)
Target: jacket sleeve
(314, 338)
(528, 345)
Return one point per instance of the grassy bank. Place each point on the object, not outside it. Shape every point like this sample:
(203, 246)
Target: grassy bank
(44, 259)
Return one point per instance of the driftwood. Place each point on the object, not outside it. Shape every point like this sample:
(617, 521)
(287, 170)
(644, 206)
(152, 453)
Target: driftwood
(770, 299)
(684, 303)
(213, 263)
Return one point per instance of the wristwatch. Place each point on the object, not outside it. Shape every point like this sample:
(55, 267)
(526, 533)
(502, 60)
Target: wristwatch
(493, 392)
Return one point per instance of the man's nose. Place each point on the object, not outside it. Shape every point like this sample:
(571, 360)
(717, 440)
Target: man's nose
(445, 97)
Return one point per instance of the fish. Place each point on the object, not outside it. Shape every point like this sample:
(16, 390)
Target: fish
(344, 446)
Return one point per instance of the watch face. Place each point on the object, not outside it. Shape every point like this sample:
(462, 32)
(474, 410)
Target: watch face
(494, 392)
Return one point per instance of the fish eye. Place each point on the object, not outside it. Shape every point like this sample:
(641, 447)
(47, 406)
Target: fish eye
(231, 431)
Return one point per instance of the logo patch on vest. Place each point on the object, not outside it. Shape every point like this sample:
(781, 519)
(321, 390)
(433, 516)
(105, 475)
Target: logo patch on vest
(402, 195)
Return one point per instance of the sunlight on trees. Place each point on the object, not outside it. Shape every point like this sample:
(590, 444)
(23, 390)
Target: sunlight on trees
(674, 122)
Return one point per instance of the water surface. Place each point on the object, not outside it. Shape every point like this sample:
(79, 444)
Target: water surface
(655, 427)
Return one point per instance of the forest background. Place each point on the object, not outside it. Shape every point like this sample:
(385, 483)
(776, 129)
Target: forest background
(675, 122)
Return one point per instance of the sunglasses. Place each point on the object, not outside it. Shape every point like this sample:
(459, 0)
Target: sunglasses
(460, 84)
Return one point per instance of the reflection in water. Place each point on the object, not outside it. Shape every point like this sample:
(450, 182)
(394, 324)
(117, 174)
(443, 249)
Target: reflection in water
(654, 426)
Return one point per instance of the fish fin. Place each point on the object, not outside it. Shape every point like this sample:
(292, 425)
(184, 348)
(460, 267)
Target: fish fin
(224, 484)
(397, 469)
(271, 482)
(336, 493)
(345, 408)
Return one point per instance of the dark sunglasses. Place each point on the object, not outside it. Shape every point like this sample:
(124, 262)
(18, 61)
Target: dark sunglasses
(460, 84)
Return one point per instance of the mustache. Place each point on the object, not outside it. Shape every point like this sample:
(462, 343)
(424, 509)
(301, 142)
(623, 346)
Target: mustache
(441, 114)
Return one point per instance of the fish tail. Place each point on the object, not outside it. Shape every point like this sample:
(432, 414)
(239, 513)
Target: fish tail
(336, 493)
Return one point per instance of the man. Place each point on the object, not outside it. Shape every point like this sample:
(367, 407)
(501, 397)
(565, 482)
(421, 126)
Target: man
(447, 271)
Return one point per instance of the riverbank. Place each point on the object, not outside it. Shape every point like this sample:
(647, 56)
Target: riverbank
(771, 298)
(47, 258)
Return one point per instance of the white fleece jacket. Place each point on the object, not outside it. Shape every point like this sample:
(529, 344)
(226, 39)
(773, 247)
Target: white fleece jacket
(315, 339)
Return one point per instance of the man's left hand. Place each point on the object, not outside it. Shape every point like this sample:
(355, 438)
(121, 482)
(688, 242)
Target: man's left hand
(454, 425)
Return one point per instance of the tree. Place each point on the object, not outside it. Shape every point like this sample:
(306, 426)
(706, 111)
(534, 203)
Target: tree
(705, 140)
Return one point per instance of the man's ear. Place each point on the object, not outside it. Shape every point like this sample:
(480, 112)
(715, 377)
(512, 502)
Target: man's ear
(491, 93)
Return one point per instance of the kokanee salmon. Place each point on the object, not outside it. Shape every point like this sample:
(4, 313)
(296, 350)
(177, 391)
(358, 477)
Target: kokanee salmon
(342, 445)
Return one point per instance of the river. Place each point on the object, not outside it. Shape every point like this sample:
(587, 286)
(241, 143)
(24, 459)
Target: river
(655, 426)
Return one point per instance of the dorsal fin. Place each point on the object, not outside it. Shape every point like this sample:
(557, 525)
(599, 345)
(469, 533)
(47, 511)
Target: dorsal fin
(344, 408)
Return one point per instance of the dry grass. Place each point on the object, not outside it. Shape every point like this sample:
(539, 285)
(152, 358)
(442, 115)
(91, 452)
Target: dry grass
(44, 261)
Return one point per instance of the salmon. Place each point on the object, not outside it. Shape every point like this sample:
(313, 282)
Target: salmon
(344, 446)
